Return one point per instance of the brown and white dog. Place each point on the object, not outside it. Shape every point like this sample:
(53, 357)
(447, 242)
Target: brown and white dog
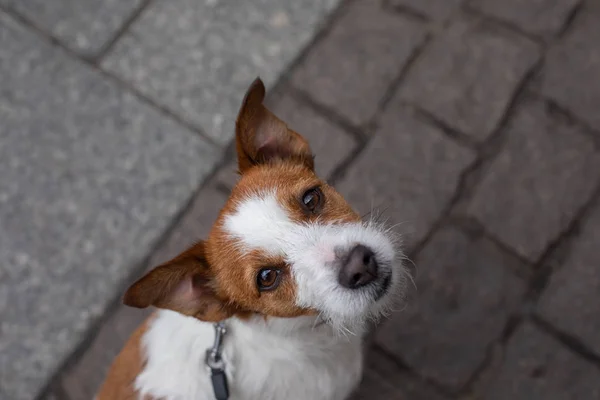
(293, 273)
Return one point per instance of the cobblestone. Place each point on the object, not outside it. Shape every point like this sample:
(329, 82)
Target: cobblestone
(537, 367)
(196, 57)
(410, 170)
(466, 292)
(551, 161)
(85, 26)
(351, 69)
(468, 76)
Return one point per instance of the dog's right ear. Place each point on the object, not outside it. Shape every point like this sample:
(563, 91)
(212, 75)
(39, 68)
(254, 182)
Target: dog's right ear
(185, 284)
(261, 137)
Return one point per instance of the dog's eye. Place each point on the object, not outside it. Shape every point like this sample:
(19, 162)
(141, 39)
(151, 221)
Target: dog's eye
(267, 279)
(313, 199)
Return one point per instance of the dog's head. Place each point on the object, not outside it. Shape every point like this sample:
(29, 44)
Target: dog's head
(286, 244)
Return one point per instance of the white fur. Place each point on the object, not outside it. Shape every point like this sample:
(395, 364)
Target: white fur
(259, 222)
(288, 359)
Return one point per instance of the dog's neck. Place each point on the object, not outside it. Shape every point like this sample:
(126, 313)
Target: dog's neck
(303, 327)
(260, 354)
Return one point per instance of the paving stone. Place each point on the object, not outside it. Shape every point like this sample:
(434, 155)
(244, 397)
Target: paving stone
(435, 9)
(194, 226)
(83, 26)
(351, 69)
(382, 379)
(85, 377)
(539, 17)
(466, 292)
(409, 169)
(533, 189)
(197, 58)
(537, 367)
(469, 74)
(91, 178)
(571, 75)
(571, 301)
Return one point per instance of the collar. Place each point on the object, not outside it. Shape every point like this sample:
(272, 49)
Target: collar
(214, 361)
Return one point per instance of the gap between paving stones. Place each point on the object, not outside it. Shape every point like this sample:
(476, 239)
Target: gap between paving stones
(409, 371)
(406, 10)
(572, 343)
(468, 9)
(568, 25)
(430, 10)
(544, 265)
(563, 112)
(77, 25)
(110, 43)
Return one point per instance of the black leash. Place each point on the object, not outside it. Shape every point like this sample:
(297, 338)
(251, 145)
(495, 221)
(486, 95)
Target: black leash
(214, 361)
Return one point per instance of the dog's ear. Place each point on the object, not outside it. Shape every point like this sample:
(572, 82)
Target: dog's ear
(183, 284)
(261, 137)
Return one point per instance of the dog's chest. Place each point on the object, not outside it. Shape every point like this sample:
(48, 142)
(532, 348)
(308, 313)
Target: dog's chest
(259, 364)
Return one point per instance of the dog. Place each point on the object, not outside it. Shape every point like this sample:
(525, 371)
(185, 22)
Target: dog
(276, 302)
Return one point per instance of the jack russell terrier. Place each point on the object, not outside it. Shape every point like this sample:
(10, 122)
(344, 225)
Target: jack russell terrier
(275, 303)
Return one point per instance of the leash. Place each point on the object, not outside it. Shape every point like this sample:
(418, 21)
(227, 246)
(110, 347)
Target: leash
(214, 361)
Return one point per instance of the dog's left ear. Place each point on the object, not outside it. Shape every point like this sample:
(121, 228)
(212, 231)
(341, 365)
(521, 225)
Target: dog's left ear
(261, 137)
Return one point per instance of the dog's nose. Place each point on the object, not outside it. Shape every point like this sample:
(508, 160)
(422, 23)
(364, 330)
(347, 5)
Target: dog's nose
(359, 269)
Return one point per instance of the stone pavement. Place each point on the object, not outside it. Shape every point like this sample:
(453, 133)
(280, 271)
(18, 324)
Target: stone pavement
(112, 114)
(472, 124)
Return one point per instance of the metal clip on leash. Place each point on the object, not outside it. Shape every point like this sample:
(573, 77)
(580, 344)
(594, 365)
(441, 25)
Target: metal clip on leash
(214, 360)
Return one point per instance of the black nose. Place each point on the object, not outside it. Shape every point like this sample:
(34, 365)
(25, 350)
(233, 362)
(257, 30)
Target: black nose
(359, 269)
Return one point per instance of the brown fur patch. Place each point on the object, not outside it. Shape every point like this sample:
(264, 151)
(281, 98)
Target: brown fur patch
(120, 380)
